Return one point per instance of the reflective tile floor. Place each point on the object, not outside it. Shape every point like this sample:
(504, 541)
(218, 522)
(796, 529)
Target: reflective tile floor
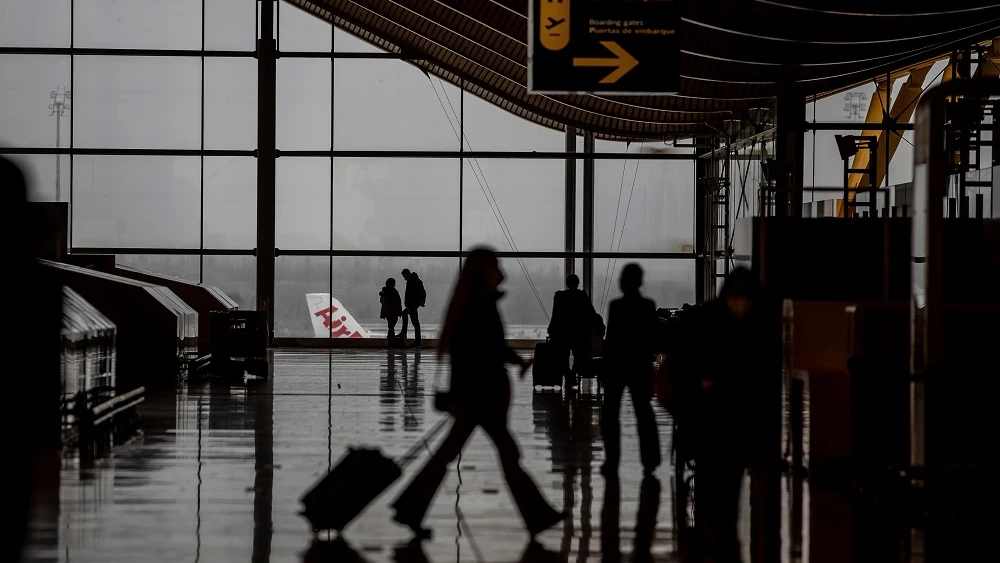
(217, 472)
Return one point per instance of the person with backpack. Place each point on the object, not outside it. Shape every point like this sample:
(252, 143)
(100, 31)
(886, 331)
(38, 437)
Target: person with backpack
(392, 307)
(413, 298)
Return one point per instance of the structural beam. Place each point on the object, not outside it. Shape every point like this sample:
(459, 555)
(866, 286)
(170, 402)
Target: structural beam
(588, 213)
(790, 153)
(266, 155)
(570, 186)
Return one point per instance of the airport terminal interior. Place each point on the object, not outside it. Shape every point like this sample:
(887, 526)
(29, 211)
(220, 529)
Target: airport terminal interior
(277, 268)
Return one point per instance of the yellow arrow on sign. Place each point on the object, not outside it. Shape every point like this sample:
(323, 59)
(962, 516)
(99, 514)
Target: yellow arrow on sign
(622, 59)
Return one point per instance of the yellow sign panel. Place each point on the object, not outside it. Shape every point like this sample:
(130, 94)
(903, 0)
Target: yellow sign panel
(622, 60)
(553, 25)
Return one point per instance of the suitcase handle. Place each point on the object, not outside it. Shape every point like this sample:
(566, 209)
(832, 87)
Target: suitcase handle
(424, 442)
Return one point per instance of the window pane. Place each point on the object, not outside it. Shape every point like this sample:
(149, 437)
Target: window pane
(294, 277)
(358, 280)
(229, 25)
(646, 205)
(490, 128)
(302, 203)
(668, 282)
(299, 30)
(138, 24)
(32, 92)
(137, 102)
(230, 202)
(230, 104)
(303, 99)
(34, 23)
(391, 105)
(41, 171)
(183, 267)
(236, 276)
(522, 313)
(344, 42)
(395, 204)
(136, 201)
(528, 197)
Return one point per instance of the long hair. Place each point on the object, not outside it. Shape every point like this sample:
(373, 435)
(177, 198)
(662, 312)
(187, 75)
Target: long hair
(471, 286)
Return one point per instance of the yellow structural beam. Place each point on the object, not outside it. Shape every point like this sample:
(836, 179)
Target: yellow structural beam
(901, 111)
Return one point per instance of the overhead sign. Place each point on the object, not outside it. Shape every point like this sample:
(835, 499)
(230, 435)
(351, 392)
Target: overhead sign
(603, 47)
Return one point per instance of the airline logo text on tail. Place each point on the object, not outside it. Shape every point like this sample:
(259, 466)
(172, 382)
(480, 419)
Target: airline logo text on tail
(330, 319)
(338, 326)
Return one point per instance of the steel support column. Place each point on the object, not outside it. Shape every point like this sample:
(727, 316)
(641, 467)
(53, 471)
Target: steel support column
(588, 213)
(790, 151)
(266, 153)
(702, 223)
(570, 219)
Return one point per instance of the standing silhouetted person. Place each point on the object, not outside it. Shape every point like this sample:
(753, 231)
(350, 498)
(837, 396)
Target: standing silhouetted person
(473, 337)
(628, 362)
(740, 335)
(33, 305)
(572, 326)
(392, 307)
(413, 298)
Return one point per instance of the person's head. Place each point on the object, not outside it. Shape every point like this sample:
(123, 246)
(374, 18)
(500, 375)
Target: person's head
(480, 277)
(391, 282)
(631, 278)
(572, 281)
(405, 273)
(740, 292)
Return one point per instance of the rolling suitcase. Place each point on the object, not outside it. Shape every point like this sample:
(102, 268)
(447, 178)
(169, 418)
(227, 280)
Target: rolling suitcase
(359, 477)
(544, 371)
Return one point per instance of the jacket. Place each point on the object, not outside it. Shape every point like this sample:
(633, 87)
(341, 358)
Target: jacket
(392, 307)
(572, 316)
(479, 354)
(415, 296)
(631, 333)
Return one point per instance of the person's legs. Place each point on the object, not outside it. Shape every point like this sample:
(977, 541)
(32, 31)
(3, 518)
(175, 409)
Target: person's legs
(560, 354)
(412, 504)
(415, 319)
(717, 482)
(406, 314)
(537, 513)
(581, 358)
(391, 328)
(649, 436)
(611, 426)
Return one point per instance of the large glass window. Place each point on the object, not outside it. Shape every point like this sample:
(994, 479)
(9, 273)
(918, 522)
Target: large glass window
(395, 204)
(34, 108)
(524, 200)
(391, 105)
(137, 102)
(136, 201)
(164, 158)
(138, 24)
(20, 23)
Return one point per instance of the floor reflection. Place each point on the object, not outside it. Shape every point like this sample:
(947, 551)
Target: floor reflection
(218, 470)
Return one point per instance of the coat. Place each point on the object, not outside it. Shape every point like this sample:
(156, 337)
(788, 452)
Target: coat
(392, 307)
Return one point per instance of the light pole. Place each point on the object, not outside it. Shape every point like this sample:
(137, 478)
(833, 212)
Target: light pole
(62, 100)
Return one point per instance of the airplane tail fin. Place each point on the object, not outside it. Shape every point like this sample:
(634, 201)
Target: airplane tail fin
(330, 319)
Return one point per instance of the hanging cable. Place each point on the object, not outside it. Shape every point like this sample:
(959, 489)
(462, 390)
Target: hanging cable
(614, 228)
(488, 194)
(609, 280)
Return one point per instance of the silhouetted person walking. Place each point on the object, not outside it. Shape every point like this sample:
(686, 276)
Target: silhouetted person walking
(413, 298)
(392, 307)
(628, 363)
(572, 326)
(473, 336)
(729, 415)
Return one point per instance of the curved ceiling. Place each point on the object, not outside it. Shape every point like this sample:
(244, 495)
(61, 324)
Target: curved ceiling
(735, 54)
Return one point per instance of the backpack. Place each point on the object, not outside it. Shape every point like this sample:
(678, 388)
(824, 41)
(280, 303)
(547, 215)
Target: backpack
(421, 293)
